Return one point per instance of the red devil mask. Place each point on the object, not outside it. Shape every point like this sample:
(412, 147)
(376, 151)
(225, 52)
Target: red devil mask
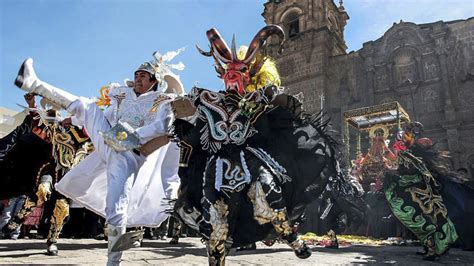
(235, 72)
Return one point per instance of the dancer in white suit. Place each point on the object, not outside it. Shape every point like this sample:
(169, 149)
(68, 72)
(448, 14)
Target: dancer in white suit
(133, 126)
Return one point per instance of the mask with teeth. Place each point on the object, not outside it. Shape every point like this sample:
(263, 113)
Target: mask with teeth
(236, 77)
(236, 72)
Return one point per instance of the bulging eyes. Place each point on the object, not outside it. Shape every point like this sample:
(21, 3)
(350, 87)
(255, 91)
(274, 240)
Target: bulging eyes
(244, 69)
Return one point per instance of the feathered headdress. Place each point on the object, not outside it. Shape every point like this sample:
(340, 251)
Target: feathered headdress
(163, 71)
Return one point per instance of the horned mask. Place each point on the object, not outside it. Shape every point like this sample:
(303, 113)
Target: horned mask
(236, 72)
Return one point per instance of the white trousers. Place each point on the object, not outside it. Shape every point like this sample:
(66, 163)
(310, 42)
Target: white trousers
(121, 167)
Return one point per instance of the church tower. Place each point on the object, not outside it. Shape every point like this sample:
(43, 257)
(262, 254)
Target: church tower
(315, 32)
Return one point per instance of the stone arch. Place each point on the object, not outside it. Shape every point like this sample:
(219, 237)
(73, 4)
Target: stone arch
(333, 22)
(292, 21)
(405, 65)
(402, 35)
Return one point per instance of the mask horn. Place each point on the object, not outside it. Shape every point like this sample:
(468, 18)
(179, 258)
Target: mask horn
(203, 52)
(259, 41)
(234, 49)
(218, 67)
(219, 46)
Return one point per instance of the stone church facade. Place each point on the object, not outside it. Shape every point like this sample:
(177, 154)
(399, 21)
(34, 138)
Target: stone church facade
(427, 68)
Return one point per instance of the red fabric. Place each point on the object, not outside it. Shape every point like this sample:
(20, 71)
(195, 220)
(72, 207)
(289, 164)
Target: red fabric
(425, 142)
(399, 146)
(35, 216)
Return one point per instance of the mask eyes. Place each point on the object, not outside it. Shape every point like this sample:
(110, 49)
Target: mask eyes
(244, 69)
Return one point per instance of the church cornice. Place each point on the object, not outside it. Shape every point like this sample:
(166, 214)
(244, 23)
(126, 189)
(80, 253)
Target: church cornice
(305, 39)
(427, 33)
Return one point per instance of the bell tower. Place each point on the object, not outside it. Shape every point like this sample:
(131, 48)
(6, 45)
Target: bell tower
(314, 32)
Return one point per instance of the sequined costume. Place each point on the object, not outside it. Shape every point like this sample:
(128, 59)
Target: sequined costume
(413, 192)
(251, 160)
(56, 154)
(119, 168)
(22, 147)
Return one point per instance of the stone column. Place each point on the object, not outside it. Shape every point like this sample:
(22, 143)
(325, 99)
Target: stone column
(453, 142)
(449, 112)
(346, 141)
(419, 69)
(390, 75)
(450, 123)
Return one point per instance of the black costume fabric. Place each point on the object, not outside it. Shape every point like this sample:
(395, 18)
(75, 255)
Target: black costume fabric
(28, 158)
(457, 194)
(290, 149)
(413, 193)
(22, 153)
(459, 200)
(344, 209)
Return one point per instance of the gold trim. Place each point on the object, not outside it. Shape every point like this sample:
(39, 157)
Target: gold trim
(374, 112)
(157, 102)
(185, 153)
(384, 128)
(76, 135)
(38, 174)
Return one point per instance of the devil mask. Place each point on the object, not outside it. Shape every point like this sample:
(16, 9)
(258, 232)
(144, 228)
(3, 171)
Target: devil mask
(236, 72)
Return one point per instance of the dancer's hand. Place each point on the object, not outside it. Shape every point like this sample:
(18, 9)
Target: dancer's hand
(66, 123)
(30, 99)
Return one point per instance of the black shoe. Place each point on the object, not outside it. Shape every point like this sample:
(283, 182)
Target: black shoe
(52, 250)
(303, 253)
(422, 251)
(174, 241)
(99, 237)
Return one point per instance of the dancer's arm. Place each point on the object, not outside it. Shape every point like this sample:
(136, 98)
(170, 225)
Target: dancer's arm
(163, 121)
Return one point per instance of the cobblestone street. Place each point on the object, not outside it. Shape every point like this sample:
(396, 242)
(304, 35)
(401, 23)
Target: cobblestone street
(192, 251)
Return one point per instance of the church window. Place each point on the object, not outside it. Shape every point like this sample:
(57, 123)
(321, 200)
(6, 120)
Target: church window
(292, 23)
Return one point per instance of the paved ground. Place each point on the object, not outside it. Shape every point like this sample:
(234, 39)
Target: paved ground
(191, 251)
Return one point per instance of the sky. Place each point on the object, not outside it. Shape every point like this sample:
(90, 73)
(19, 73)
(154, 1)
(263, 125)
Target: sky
(81, 45)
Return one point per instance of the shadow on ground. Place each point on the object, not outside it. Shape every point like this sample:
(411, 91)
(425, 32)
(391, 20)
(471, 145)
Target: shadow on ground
(370, 254)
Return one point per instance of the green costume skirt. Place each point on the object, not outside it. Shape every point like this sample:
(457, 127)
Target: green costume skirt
(421, 209)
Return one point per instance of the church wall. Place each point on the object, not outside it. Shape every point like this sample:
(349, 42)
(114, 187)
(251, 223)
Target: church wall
(428, 68)
(461, 64)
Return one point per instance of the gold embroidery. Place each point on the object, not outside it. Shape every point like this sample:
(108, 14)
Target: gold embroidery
(76, 135)
(262, 212)
(280, 222)
(38, 175)
(157, 102)
(61, 211)
(63, 150)
(428, 201)
(185, 153)
(86, 149)
(218, 219)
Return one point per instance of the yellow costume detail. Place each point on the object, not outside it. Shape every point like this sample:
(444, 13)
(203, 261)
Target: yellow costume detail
(104, 99)
(268, 73)
(122, 135)
(43, 194)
